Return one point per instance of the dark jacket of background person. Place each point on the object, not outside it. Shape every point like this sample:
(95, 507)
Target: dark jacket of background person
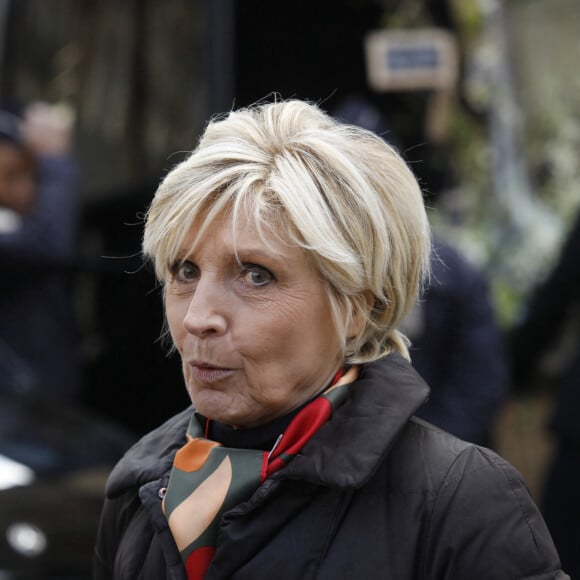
(37, 322)
(457, 348)
(553, 311)
(548, 311)
(418, 529)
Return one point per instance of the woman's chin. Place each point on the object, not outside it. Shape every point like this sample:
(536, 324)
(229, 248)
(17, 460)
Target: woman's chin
(218, 406)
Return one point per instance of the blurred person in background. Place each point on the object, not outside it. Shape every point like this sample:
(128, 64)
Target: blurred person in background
(38, 229)
(456, 345)
(54, 455)
(289, 247)
(457, 348)
(552, 313)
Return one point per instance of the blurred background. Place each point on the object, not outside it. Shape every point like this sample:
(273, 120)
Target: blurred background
(100, 98)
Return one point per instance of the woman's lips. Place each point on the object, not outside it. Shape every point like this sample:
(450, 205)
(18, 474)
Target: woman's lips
(206, 373)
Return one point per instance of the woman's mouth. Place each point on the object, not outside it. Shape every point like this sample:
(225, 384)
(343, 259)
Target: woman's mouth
(207, 373)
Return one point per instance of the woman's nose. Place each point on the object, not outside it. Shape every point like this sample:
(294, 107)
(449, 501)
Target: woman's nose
(205, 314)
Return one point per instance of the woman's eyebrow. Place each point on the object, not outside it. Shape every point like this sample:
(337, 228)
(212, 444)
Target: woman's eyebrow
(255, 252)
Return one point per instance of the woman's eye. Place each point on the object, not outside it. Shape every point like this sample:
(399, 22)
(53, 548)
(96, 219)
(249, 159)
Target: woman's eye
(256, 275)
(184, 271)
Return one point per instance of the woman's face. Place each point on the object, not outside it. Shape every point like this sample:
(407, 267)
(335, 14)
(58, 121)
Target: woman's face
(256, 336)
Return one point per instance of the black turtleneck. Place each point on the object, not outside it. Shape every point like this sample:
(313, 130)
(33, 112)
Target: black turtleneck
(262, 437)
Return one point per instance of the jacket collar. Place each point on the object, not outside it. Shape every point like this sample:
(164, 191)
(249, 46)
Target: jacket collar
(151, 457)
(348, 449)
(344, 453)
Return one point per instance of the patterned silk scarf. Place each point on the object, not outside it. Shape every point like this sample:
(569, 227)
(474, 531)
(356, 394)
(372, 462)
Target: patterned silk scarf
(208, 479)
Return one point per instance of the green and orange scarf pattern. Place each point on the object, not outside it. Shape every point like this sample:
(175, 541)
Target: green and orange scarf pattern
(208, 479)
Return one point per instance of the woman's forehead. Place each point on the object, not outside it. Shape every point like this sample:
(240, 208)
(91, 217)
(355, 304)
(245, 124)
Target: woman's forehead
(235, 233)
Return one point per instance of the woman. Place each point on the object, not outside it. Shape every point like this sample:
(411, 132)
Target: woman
(290, 247)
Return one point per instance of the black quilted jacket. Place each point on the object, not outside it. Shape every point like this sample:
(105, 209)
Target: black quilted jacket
(375, 494)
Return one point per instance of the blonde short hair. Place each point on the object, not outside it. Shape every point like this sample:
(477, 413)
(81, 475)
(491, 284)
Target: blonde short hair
(339, 192)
